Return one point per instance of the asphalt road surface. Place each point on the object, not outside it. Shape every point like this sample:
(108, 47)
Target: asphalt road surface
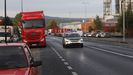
(95, 58)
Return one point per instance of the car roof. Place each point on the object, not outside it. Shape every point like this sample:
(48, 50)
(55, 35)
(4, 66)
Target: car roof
(12, 44)
(72, 33)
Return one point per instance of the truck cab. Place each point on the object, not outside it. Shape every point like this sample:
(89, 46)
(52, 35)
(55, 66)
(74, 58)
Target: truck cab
(33, 28)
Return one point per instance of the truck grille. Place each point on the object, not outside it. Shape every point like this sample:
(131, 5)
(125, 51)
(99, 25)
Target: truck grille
(33, 36)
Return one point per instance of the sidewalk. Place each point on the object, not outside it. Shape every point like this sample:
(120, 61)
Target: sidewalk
(120, 40)
(128, 41)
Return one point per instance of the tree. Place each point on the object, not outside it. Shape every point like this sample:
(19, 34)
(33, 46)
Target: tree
(98, 23)
(15, 23)
(52, 24)
(128, 19)
(17, 19)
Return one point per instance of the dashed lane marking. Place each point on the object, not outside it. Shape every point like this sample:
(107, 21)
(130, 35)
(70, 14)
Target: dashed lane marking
(63, 60)
(74, 73)
(66, 63)
(60, 57)
(56, 52)
(69, 67)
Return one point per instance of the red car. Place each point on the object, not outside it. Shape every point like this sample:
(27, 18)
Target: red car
(16, 59)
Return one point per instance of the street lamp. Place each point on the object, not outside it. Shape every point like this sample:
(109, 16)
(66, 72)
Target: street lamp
(5, 22)
(123, 8)
(85, 6)
(21, 5)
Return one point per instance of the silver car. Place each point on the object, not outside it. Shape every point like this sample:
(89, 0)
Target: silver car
(72, 39)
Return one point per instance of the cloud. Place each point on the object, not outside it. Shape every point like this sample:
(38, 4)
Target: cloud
(55, 7)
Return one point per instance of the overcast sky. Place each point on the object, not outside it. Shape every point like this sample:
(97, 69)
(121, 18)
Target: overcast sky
(56, 8)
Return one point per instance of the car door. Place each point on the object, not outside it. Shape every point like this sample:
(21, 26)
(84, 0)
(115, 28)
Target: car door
(33, 70)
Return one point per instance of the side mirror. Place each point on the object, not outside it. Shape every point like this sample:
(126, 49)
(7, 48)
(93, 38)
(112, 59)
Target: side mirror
(36, 63)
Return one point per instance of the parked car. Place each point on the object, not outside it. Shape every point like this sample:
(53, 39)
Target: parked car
(16, 59)
(103, 34)
(71, 39)
(93, 34)
(84, 34)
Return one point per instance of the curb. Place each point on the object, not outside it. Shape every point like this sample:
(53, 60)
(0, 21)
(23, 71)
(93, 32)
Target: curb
(130, 45)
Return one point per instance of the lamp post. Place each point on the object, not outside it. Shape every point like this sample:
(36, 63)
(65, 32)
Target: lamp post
(21, 5)
(85, 6)
(123, 8)
(5, 22)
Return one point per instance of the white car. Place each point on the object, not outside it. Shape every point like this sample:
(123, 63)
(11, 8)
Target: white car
(71, 39)
(103, 34)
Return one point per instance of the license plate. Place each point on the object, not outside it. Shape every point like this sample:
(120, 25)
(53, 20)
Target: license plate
(34, 44)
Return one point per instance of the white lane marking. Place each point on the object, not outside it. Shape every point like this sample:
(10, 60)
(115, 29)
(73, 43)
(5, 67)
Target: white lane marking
(66, 63)
(74, 73)
(116, 53)
(56, 52)
(60, 57)
(63, 60)
(69, 67)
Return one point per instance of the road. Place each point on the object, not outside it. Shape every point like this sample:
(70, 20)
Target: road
(95, 58)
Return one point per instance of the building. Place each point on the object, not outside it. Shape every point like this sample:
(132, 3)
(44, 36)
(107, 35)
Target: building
(88, 26)
(71, 26)
(110, 25)
(107, 8)
(117, 6)
(123, 3)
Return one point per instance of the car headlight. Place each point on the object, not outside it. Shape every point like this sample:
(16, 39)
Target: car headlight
(67, 40)
(81, 40)
(25, 41)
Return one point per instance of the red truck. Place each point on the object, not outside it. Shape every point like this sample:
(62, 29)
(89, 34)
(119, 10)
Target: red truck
(32, 27)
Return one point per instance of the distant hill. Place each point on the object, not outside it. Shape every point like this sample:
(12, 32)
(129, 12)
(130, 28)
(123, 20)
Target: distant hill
(63, 20)
(58, 19)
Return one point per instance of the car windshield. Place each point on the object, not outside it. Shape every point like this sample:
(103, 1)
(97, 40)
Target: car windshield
(33, 24)
(2, 34)
(12, 57)
(72, 35)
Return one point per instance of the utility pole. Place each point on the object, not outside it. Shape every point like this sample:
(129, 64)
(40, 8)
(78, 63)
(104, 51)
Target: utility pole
(123, 7)
(85, 6)
(21, 5)
(5, 22)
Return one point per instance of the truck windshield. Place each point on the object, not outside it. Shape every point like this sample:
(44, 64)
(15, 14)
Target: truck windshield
(2, 34)
(33, 24)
